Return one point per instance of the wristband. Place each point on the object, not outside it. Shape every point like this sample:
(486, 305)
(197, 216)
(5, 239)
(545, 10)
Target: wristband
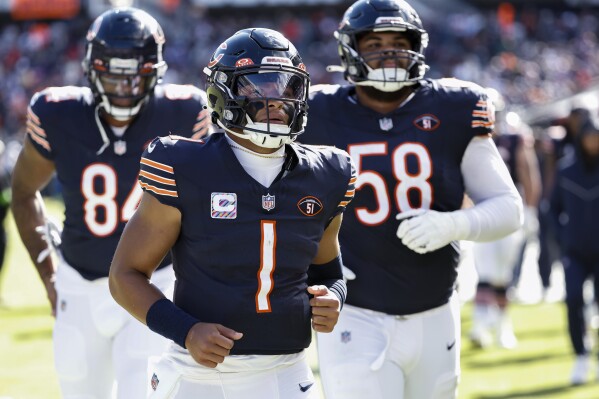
(329, 274)
(170, 321)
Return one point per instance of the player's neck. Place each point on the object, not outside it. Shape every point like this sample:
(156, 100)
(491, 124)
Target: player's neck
(382, 102)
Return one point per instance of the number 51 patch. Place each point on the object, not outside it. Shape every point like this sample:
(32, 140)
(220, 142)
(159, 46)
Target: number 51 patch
(310, 206)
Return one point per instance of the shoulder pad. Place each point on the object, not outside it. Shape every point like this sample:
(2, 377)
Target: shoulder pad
(65, 93)
(179, 92)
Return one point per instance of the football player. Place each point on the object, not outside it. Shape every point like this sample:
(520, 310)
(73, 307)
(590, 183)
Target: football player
(496, 260)
(419, 145)
(93, 138)
(254, 242)
(574, 206)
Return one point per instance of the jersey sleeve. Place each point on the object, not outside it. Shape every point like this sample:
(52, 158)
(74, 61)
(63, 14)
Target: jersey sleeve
(157, 174)
(483, 113)
(349, 171)
(35, 130)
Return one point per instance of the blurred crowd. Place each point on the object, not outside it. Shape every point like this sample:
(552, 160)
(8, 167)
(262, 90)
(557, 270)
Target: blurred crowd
(530, 55)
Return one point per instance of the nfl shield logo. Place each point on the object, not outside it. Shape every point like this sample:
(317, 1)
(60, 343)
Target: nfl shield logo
(120, 147)
(386, 124)
(154, 381)
(345, 336)
(268, 202)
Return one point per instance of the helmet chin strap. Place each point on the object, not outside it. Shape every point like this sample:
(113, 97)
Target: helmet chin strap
(387, 79)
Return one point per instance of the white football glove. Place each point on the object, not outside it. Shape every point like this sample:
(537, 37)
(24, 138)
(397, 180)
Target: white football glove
(429, 230)
(50, 233)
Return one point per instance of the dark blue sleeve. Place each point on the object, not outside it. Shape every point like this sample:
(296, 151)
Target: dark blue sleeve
(157, 173)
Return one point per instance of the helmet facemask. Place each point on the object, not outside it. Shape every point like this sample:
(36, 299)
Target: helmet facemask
(123, 60)
(124, 85)
(263, 103)
(366, 17)
(387, 79)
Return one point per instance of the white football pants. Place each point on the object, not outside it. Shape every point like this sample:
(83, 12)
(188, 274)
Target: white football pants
(495, 260)
(97, 342)
(177, 376)
(379, 356)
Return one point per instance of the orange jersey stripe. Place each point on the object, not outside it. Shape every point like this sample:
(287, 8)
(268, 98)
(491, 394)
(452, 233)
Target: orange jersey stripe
(157, 165)
(157, 178)
(39, 140)
(159, 190)
(36, 128)
(33, 116)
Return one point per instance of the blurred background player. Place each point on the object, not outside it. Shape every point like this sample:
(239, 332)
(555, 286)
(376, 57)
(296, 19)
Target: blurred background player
(575, 209)
(6, 166)
(495, 261)
(255, 242)
(419, 145)
(92, 138)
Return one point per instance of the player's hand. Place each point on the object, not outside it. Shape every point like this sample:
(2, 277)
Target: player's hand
(429, 230)
(325, 308)
(209, 343)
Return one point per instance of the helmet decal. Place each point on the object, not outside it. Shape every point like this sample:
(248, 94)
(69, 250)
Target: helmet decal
(215, 61)
(244, 62)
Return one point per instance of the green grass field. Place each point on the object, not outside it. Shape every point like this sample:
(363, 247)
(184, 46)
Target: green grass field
(538, 368)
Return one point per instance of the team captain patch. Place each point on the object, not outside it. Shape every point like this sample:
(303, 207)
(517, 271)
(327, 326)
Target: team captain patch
(223, 205)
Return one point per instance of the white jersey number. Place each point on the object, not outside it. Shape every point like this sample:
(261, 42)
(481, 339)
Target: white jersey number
(106, 200)
(406, 181)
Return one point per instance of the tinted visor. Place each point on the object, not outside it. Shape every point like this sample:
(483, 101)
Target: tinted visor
(123, 85)
(277, 84)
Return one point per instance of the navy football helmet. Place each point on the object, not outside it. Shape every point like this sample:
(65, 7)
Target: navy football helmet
(381, 16)
(123, 60)
(257, 87)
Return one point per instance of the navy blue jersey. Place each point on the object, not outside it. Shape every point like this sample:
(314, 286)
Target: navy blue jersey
(575, 207)
(407, 159)
(243, 253)
(100, 187)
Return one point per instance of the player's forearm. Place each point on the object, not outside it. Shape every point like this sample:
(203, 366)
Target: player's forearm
(133, 290)
(493, 218)
(29, 212)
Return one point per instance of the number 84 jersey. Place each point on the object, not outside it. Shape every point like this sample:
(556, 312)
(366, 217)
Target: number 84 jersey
(98, 178)
(407, 159)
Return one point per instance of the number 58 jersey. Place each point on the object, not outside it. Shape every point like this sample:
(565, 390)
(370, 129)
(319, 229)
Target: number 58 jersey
(407, 159)
(243, 252)
(96, 168)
